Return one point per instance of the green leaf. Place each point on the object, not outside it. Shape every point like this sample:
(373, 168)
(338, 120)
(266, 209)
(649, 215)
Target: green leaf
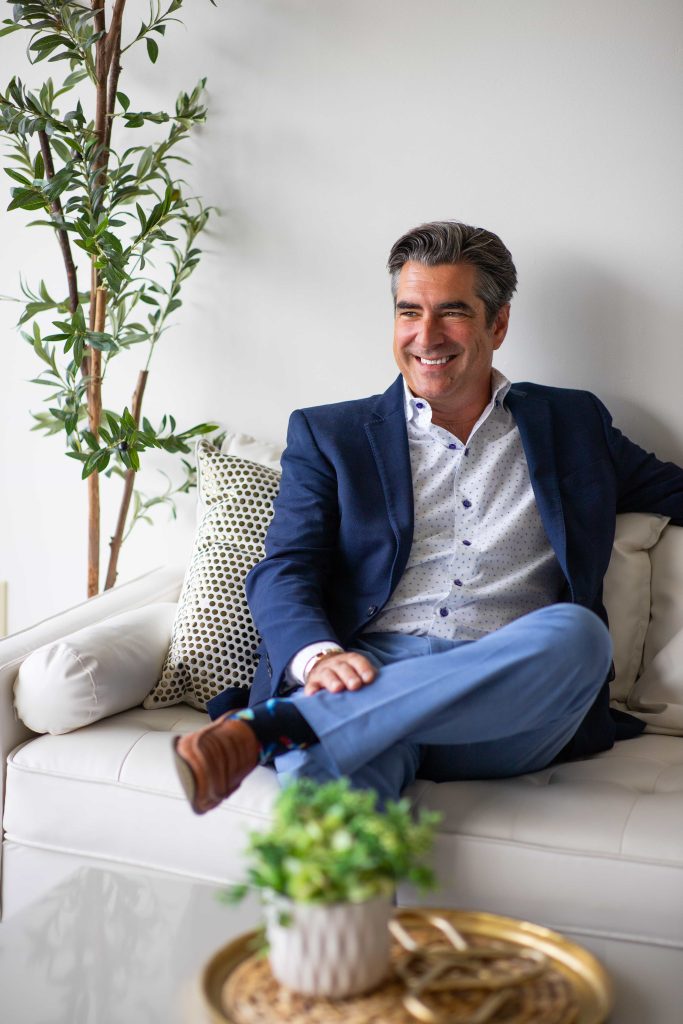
(128, 421)
(102, 460)
(88, 467)
(27, 199)
(123, 100)
(152, 50)
(100, 340)
(145, 162)
(16, 176)
(61, 149)
(113, 422)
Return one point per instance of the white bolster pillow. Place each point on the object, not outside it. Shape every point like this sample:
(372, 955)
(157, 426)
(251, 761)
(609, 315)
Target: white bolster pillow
(98, 671)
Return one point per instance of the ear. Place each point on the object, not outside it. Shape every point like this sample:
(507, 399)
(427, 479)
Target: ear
(500, 325)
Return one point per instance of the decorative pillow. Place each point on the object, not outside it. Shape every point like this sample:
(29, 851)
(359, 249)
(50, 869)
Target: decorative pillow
(214, 638)
(266, 453)
(627, 594)
(98, 671)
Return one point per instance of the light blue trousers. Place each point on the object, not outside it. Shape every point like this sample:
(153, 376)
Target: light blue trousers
(490, 708)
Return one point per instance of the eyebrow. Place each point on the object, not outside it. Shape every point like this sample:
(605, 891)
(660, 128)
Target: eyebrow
(441, 307)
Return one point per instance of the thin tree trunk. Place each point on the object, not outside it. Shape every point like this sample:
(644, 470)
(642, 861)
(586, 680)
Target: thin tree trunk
(95, 417)
(58, 214)
(117, 540)
(98, 300)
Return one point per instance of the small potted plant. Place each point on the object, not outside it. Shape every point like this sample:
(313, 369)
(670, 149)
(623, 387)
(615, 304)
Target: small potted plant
(327, 868)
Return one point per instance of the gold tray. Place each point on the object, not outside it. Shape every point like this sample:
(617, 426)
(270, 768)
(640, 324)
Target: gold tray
(590, 982)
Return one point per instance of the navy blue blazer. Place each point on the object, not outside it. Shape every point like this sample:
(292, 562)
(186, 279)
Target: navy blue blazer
(343, 524)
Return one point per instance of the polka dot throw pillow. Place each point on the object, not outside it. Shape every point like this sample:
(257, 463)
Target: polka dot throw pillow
(214, 638)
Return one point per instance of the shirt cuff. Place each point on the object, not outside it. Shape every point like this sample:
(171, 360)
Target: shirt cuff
(294, 673)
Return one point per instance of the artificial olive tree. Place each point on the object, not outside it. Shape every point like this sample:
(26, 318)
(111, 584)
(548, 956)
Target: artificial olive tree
(123, 226)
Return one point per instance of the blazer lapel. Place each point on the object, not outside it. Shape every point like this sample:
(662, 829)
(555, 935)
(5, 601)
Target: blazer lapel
(532, 415)
(388, 438)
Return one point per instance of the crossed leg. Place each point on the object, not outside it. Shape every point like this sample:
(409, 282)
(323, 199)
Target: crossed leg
(503, 705)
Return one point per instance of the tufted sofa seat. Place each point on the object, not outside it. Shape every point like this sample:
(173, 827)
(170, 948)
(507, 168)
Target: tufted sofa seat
(594, 846)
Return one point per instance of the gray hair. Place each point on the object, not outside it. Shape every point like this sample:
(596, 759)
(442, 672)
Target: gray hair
(449, 241)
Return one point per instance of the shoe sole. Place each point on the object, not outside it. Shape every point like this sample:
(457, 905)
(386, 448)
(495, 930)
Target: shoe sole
(187, 779)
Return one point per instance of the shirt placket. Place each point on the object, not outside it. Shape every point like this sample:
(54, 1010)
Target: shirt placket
(444, 614)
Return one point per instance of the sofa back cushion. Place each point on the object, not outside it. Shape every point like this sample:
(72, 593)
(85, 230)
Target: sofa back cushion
(657, 695)
(643, 595)
(627, 595)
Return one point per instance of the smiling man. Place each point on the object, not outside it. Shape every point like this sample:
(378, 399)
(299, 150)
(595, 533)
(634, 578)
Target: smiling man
(431, 598)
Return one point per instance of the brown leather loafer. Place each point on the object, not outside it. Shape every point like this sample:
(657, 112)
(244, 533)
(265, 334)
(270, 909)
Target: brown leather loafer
(213, 761)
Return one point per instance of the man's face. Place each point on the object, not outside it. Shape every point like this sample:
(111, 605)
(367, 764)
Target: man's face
(442, 344)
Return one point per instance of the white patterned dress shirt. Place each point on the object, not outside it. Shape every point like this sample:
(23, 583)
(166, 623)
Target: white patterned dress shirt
(480, 557)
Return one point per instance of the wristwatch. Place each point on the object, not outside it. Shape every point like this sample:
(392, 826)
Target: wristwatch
(317, 657)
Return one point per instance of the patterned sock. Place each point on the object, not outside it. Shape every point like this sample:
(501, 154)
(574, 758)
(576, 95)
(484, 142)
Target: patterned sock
(279, 727)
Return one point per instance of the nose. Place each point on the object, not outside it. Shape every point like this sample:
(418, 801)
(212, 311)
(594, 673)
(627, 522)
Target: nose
(428, 335)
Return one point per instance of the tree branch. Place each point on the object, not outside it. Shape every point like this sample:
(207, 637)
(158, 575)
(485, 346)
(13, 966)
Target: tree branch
(95, 416)
(101, 68)
(62, 236)
(114, 33)
(112, 83)
(117, 540)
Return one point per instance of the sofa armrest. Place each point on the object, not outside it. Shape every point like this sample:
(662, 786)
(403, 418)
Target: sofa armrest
(161, 584)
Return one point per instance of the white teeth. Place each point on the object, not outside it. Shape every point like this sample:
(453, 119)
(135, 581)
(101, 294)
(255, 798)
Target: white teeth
(434, 362)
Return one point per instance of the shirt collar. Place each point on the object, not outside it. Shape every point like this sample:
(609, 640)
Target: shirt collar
(419, 410)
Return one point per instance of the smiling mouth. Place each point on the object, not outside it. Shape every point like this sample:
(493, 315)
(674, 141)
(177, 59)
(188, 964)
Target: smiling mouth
(434, 362)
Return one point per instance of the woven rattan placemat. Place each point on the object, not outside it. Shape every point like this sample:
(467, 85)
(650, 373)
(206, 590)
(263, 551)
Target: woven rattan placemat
(252, 996)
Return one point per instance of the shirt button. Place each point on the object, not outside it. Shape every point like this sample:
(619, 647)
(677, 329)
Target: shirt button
(452, 446)
(467, 503)
(419, 405)
(467, 451)
(467, 543)
(443, 612)
(372, 609)
(458, 583)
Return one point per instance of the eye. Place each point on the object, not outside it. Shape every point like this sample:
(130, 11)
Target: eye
(407, 314)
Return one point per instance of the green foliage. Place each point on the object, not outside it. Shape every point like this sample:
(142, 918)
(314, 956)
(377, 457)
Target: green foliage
(329, 844)
(117, 208)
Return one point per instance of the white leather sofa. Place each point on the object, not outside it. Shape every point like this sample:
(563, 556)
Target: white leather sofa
(593, 846)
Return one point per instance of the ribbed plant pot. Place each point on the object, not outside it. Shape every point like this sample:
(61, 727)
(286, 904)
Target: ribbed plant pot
(333, 950)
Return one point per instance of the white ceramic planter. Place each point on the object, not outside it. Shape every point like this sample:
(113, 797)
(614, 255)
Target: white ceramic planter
(334, 950)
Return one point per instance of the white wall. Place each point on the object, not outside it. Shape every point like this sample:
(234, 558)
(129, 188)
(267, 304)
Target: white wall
(333, 128)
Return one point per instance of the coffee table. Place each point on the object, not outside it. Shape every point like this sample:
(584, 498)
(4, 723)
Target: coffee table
(111, 947)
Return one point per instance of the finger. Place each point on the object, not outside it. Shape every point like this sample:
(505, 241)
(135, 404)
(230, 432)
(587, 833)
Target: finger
(365, 669)
(332, 677)
(336, 675)
(311, 687)
(347, 670)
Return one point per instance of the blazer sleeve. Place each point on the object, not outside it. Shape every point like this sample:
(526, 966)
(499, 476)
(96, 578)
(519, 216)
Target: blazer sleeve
(287, 591)
(645, 483)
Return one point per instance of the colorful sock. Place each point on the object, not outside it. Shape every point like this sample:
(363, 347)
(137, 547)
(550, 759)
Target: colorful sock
(279, 727)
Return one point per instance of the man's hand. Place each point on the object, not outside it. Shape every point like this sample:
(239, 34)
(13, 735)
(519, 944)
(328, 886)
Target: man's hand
(343, 670)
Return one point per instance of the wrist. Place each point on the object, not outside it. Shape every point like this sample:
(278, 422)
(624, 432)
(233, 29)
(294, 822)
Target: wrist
(327, 652)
